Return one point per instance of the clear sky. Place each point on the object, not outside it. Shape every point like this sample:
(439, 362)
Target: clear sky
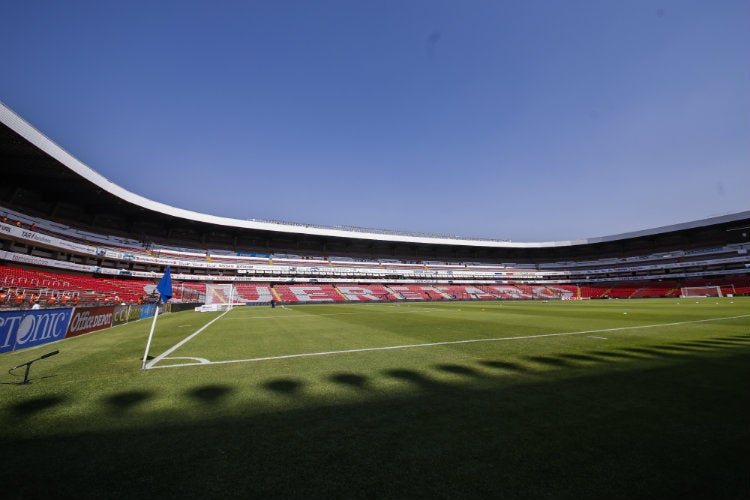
(527, 120)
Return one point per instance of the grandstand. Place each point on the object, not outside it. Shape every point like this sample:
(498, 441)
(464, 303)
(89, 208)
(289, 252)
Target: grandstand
(409, 396)
(101, 244)
(115, 274)
(99, 273)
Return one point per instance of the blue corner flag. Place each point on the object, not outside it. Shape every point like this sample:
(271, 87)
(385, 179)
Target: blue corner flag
(165, 286)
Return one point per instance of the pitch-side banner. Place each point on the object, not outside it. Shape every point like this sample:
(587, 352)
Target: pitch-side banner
(20, 329)
(89, 319)
(125, 314)
(147, 310)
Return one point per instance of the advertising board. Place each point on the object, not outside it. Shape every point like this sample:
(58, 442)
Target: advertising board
(20, 329)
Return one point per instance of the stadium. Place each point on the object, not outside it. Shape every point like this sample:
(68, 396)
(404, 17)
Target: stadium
(385, 249)
(376, 363)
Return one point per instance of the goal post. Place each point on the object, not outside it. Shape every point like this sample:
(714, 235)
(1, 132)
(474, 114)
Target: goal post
(701, 291)
(222, 296)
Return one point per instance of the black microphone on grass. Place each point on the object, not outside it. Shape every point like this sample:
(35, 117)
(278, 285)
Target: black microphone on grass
(28, 366)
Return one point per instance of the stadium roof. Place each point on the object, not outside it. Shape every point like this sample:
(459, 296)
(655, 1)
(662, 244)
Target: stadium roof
(43, 180)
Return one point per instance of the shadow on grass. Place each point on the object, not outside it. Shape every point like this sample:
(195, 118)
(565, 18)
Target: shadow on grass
(551, 361)
(19, 380)
(284, 386)
(717, 344)
(582, 357)
(459, 370)
(36, 405)
(504, 365)
(350, 379)
(615, 355)
(413, 377)
(210, 393)
(674, 349)
(633, 433)
(644, 351)
(124, 401)
(744, 339)
(729, 343)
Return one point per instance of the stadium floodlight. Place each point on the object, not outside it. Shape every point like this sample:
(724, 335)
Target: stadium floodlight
(28, 366)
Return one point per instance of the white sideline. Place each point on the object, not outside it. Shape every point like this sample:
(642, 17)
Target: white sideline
(411, 346)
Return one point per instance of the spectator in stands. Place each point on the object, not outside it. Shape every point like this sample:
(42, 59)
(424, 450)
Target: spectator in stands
(76, 299)
(19, 298)
(52, 299)
(3, 296)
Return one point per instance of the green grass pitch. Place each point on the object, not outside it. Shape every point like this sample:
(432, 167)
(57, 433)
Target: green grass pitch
(591, 399)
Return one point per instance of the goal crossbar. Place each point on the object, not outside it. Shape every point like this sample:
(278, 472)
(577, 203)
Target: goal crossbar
(701, 291)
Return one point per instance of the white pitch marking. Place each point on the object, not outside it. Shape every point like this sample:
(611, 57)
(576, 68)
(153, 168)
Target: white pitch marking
(202, 361)
(602, 338)
(431, 344)
(172, 349)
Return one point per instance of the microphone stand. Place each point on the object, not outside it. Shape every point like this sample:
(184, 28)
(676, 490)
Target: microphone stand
(28, 366)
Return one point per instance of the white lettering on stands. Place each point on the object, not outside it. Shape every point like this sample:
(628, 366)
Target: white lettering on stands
(357, 293)
(309, 293)
(406, 293)
(260, 294)
(478, 293)
(511, 291)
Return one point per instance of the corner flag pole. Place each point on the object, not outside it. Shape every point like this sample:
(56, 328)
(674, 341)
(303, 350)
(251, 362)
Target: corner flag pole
(150, 336)
(165, 293)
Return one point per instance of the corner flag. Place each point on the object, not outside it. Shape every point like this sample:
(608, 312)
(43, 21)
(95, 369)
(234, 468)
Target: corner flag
(165, 286)
(165, 291)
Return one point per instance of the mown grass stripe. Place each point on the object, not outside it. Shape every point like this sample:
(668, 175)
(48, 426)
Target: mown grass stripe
(413, 346)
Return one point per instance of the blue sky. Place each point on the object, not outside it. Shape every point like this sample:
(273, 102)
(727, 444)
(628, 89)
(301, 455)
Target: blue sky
(526, 120)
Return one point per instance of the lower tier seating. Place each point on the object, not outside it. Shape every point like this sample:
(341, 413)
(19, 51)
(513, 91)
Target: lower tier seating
(21, 287)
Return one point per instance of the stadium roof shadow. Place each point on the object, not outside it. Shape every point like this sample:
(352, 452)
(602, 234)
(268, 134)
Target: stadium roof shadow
(350, 379)
(504, 365)
(123, 401)
(210, 393)
(581, 357)
(459, 370)
(661, 430)
(284, 386)
(36, 405)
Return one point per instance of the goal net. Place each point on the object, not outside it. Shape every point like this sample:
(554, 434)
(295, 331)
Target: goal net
(700, 291)
(220, 297)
